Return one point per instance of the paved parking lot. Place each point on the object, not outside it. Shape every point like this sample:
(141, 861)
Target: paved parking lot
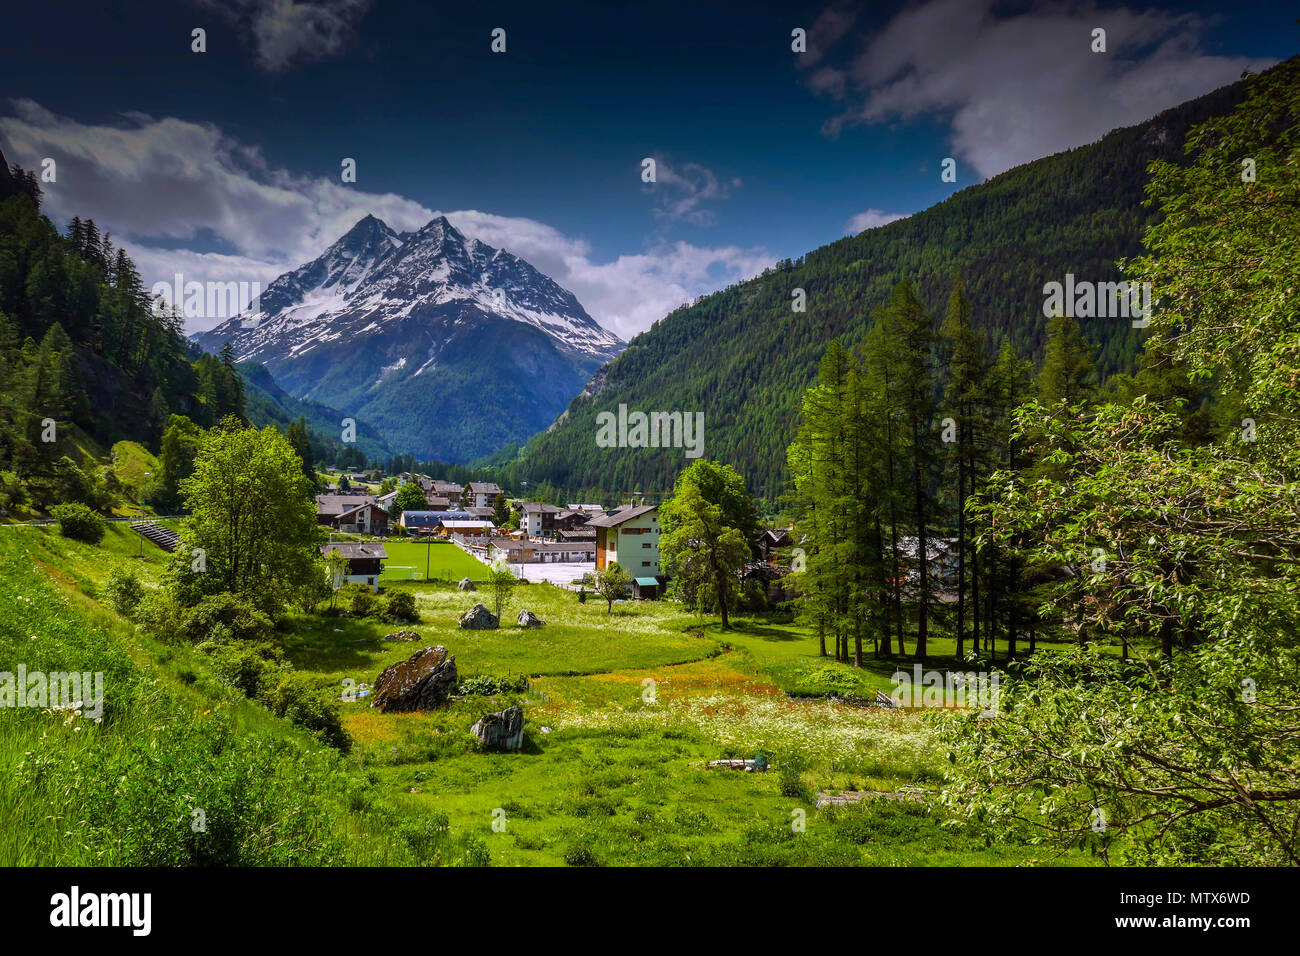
(557, 572)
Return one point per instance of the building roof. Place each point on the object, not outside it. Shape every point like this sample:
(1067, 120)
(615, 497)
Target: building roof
(647, 582)
(514, 544)
(445, 487)
(584, 533)
(537, 507)
(434, 518)
(337, 504)
(435, 500)
(467, 524)
(616, 518)
(482, 512)
(371, 504)
(355, 550)
(483, 488)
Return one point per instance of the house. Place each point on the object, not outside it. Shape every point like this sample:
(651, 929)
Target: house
(571, 520)
(435, 522)
(772, 545)
(590, 509)
(467, 527)
(353, 514)
(386, 501)
(536, 520)
(629, 536)
(941, 559)
(522, 551)
(438, 502)
(365, 562)
(583, 533)
(481, 494)
(447, 489)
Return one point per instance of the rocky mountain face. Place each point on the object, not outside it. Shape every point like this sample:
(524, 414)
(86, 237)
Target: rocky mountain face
(450, 347)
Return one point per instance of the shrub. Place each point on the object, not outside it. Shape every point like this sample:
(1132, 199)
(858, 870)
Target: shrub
(123, 591)
(252, 668)
(580, 856)
(294, 699)
(224, 617)
(487, 685)
(79, 523)
(399, 607)
(159, 614)
(359, 600)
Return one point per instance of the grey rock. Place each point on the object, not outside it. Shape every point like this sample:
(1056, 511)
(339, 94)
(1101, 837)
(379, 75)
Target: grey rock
(528, 619)
(479, 618)
(503, 730)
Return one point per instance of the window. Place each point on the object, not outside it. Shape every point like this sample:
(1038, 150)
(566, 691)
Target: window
(646, 545)
(645, 564)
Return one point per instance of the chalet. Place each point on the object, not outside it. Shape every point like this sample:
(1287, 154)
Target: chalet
(536, 519)
(568, 520)
(447, 489)
(629, 536)
(438, 502)
(481, 494)
(436, 522)
(353, 514)
(467, 527)
(583, 533)
(590, 509)
(773, 546)
(365, 562)
(522, 551)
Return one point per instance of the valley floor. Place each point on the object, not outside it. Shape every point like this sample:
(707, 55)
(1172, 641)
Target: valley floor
(623, 713)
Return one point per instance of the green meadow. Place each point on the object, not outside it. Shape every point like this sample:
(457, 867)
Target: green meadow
(623, 713)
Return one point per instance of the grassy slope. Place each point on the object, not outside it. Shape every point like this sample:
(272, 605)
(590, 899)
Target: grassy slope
(122, 791)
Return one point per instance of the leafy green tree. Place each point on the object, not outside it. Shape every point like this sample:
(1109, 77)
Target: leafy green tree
(501, 583)
(251, 516)
(1184, 554)
(409, 498)
(613, 584)
(696, 519)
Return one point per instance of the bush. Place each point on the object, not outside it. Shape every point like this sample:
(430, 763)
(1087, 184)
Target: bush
(159, 614)
(224, 617)
(252, 668)
(487, 685)
(123, 591)
(79, 523)
(358, 599)
(399, 607)
(294, 699)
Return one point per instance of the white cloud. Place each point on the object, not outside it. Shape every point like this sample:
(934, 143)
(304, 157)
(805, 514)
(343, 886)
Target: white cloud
(285, 32)
(628, 294)
(870, 219)
(683, 190)
(171, 190)
(1017, 87)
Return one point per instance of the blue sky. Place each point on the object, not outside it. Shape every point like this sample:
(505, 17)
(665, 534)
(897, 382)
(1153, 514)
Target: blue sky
(225, 164)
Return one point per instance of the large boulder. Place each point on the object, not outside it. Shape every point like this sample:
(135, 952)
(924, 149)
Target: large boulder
(478, 618)
(528, 619)
(421, 682)
(466, 584)
(503, 730)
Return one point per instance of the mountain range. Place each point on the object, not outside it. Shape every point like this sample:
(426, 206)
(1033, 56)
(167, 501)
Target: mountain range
(744, 357)
(451, 348)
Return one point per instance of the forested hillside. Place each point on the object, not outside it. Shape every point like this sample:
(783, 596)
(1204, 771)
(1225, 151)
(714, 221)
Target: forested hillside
(744, 357)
